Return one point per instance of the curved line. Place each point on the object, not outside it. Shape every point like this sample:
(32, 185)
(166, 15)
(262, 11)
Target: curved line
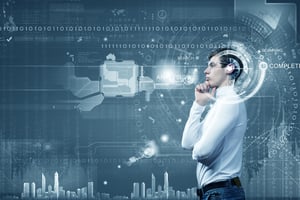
(228, 101)
(261, 80)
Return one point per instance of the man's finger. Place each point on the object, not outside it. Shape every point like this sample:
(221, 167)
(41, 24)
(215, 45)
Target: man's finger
(207, 84)
(203, 87)
(213, 91)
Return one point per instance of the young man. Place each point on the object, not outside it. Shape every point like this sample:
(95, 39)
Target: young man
(216, 141)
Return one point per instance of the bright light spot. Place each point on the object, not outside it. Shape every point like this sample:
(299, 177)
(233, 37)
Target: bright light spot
(179, 120)
(105, 182)
(182, 102)
(47, 146)
(133, 159)
(168, 76)
(164, 138)
(105, 39)
(139, 109)
(195, 70)
(152, 40)
(161, 95)
(148, 152)
(119, 166)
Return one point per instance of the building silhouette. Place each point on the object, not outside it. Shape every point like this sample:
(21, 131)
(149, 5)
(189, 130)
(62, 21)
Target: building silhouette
(90, 189)
(165, 192)
(26, 189)
(43, 184)
(33, 191)
(166, 184)
(87, 192)
(56, 184)
(143, 190)
(153, 184)
(136, 191)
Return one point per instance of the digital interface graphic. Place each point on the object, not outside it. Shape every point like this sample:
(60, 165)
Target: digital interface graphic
(95, 95)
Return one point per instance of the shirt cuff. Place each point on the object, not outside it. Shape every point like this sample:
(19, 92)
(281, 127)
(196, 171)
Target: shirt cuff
(194, 157)
(197, 107)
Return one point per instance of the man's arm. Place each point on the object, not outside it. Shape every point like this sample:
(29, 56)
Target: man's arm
(191, 132)
(220, 125)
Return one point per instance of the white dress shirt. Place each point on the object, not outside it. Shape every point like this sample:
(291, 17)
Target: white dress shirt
(217, 140)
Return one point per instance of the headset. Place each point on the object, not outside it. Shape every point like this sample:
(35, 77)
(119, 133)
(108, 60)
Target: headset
(233, 68)
(229, 68)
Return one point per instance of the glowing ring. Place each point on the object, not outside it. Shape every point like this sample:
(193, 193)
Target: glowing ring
(263, 66)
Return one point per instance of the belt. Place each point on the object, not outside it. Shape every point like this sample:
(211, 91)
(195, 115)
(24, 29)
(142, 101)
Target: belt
(234, 181)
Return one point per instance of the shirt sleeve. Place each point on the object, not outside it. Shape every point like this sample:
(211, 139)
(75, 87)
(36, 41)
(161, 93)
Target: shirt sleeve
(191, 132)
(219, 125)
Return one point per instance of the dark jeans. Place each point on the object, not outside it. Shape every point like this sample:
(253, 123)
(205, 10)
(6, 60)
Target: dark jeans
(225, 193)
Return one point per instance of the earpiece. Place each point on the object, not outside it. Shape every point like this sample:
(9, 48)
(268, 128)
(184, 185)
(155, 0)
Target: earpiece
(229, 68)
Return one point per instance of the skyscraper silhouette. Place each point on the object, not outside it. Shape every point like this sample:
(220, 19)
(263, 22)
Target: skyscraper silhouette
(87, 192)
(49, 189)
(43, 184)
(166, 184)
(143, 190)
(33, 194)
(136, 190)
(153, 185)
(26, 188)
(56, 184)
(90, 189)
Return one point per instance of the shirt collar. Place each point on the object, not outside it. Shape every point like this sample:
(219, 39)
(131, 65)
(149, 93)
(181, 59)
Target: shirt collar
(225, 91)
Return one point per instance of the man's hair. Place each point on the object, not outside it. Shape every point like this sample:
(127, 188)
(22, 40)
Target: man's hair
(227, 59)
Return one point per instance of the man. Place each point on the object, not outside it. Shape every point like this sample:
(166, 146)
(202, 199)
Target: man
(217, 140)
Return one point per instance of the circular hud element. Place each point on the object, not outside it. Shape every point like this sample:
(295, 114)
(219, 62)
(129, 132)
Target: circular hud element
(252, 77)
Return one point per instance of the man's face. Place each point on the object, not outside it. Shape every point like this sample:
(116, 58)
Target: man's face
(214, 73)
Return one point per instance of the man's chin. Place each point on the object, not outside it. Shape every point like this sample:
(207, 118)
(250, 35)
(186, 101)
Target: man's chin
(211, 85)
(208, 83)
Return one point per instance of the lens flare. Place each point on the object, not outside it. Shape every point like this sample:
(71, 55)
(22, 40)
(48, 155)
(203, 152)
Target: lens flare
(148, 151)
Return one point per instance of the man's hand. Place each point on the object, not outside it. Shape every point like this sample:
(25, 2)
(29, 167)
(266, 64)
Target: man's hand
(203, 93)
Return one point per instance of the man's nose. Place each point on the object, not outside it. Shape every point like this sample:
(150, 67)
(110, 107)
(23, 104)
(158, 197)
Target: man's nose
(206, 71)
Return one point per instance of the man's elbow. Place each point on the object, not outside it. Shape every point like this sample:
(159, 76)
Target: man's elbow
(186, 145)
(202, 154)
